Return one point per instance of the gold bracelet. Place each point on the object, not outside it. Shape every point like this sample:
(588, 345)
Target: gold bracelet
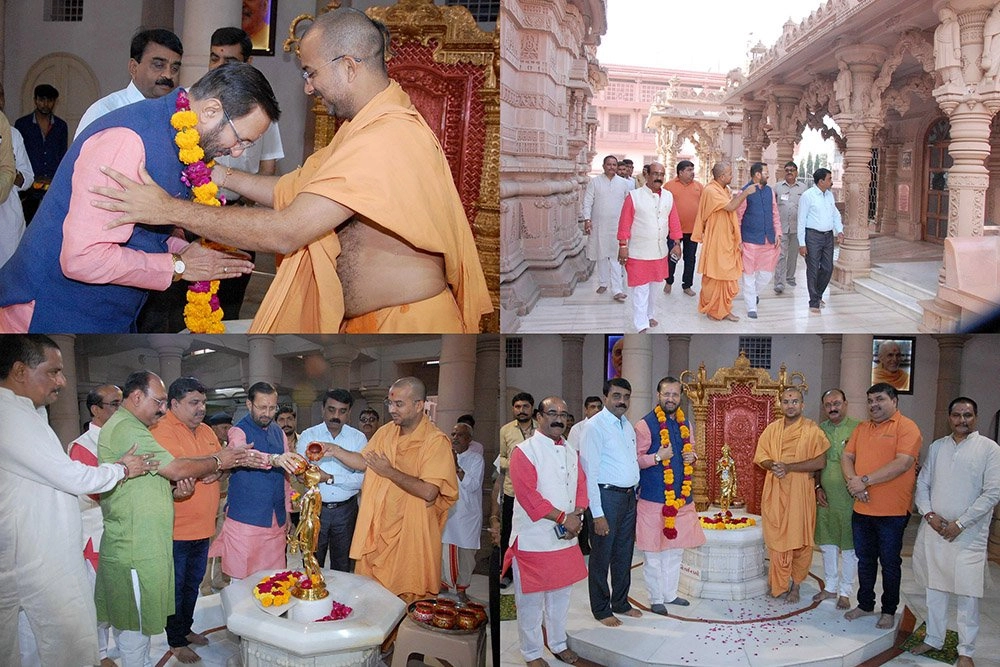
(225, 177)
(218, 463)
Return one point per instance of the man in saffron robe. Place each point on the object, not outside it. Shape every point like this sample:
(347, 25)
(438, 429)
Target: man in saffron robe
(790, 449)
(662, 554)
(343, 228)
(550, 495)
(717, 228)
(410, 482)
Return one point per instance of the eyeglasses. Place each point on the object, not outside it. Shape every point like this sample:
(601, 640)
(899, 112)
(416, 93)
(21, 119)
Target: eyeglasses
(553, 414)
(241, 143)
(111, 404)
(160, 402)
(307, 76)
(369, 420)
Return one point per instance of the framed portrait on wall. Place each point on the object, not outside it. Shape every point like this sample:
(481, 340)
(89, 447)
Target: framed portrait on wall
(893, 361)
(613, 355)
(260, 18)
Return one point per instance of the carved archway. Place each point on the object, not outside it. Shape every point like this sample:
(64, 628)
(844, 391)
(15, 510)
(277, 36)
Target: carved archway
(72, 77)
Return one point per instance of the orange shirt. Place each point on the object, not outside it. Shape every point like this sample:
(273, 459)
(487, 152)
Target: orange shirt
(686, 199)
(194, 517)
(874, 445)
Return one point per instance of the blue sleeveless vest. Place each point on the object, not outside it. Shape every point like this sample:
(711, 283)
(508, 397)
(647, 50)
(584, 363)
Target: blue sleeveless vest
(758, 219)
(651, 486)
(255, 496)
(34, 274)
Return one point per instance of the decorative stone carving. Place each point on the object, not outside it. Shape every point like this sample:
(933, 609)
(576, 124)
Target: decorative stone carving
(990, 60)
(948, 48)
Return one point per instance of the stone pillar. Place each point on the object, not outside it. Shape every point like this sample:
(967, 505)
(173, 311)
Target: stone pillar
(858, 122)
(572, 375)
(949, 380)
(170, 348)
(375, 396)
(637, 362)
(200, 21)
(785, 128)
(488, 396)
(678, 354)
(261, 359)
(856, 373)
(753, 117)
(830, 370)
(456, 379)
(340, 356)
(64, 414)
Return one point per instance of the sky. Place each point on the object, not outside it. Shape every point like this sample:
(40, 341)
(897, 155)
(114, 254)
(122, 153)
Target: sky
(670, 33)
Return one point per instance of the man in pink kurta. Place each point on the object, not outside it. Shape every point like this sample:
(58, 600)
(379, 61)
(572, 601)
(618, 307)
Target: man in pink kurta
(550, 496)
(790, 449)
(647, 219)
(760, 229)
(662, 554)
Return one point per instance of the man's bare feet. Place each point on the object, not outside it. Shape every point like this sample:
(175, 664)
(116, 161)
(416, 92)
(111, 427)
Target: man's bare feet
(921, 648)
(620, 297)
(567, 655)
(198, 639)
(886, 621)
(731, 318)
(633, 613)
(610, 621)
(108, 662)
(843, 602)
(185, 655)
(965, 661)
(667, 288)
(654, 323)
(689, 291)
(600, 290)
(857, 612)
(824, 595)
(793, 594)
(538, 662)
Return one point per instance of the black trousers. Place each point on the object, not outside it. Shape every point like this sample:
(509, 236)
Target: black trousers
(819, 264)
(612, 552)
(506, 516)
(336, 530)
(690, 249)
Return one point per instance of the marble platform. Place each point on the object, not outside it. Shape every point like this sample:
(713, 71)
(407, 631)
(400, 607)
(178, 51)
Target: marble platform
(729, 566)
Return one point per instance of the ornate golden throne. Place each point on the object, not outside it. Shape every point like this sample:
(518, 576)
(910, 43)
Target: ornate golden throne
(733, 407)
(450, 69)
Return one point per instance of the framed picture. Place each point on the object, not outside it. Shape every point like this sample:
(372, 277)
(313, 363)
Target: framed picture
(893, 361)
(260, 18)
(613, 355)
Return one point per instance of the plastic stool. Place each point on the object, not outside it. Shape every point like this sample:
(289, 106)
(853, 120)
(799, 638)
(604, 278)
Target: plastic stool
(459, 650)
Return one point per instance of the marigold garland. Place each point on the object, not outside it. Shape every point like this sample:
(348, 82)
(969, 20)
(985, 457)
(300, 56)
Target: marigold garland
(203, 313)
(725, 521)
(672, 504)
(276, 590)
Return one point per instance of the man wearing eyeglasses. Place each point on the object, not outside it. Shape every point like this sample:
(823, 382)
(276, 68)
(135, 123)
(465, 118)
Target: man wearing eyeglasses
(70, 273)
(102, 402)
(368, 422)
(345, 228)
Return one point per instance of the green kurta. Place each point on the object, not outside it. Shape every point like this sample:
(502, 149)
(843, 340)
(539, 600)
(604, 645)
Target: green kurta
(833, 523)
(138, 534)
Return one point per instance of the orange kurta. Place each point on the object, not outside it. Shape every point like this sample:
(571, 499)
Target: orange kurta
(721, 262)
(419, 204)
(397, 538)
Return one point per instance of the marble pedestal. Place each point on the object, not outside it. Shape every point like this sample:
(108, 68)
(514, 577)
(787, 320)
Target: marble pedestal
(729, 566)
(294, 639)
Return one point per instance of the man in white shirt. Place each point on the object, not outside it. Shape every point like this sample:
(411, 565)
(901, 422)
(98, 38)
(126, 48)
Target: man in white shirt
(460, 539)
(154, 65)
(339, 484)
(819, 227)
(602, 206)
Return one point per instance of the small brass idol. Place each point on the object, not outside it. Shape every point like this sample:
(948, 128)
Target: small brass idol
(726, 469)
(306, 537)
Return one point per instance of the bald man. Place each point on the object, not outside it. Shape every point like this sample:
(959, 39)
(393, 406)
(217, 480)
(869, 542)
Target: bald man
(410, 227)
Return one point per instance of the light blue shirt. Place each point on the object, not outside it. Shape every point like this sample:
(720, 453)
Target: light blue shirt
(818, 210)
(608, 456)
(346, 481)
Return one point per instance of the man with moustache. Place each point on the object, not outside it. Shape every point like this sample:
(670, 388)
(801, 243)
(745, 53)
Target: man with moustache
(717, 228)
(878, 466)
(602, 206)
(340, 484)
(687, 194)
(287, 420)
(253, 533)
(656, 452)
(135, 578)
(760, 231)
(790, 450)
(465, 519)
(958, 486)
(519, 429)
(889, 368)
(608, 459)
(819, 228)
(182, 433)
(71, 274)
(410, 483)
(551, 495)
(647, 223)
(46, 574)
(834, 505)
(788, 193)
(153, 66)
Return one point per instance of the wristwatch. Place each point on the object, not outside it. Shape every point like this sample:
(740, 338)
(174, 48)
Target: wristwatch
(329, 481)
(657, 458)
(179, 266)
(864, 480)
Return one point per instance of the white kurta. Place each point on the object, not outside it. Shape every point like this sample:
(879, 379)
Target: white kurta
(960, 483)
(42, 569)
(602, 205)
(90, 509)
(11, 213)
(465, 519)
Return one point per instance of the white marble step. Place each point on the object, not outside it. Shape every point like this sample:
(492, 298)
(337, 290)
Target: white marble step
(894, 299)
(918, 279)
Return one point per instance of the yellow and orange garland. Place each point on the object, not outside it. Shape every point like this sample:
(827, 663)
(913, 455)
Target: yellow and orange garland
(203, 313)
(672, 504)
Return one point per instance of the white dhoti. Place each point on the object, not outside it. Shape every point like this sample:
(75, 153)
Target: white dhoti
(662, 572)
(534, 609)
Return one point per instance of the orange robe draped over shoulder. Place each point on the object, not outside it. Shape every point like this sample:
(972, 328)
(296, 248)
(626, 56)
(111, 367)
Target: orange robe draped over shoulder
(788, 505)
(397, 538)
(419, 204)
(721, 261)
